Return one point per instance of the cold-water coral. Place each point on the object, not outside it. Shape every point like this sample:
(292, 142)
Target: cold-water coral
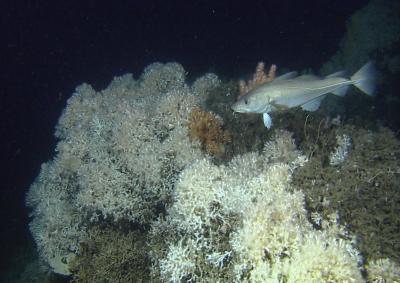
(363, 189)
(111, 255)
(383, 270)
(126, 174)
(241, 223)
(206, 127)
(341, 151)
(205, 85)
(57, 226)
(118, 156)
(259, 78)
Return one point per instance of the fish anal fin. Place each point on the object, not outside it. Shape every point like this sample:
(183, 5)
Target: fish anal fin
(341, 91)
(312, 105)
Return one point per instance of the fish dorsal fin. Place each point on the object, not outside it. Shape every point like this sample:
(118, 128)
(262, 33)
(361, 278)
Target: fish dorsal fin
(339, 74)
(308, 77)
(286, 76)
(313, 105)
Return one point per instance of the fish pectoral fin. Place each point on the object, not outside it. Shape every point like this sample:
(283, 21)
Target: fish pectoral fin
(267, 120)
(279, 107)
(312, 105)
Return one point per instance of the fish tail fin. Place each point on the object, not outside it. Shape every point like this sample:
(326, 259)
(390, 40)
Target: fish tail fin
(365, 78)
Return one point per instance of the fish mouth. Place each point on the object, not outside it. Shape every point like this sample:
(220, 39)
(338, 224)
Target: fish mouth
(237, 109)
(246, 110)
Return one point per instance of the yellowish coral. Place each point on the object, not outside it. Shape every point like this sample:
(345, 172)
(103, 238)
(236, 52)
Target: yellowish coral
(243, 223)
(278, 243)
(383, 270)
(323, 258)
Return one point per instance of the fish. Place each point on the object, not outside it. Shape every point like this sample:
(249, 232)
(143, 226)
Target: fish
(306, 91)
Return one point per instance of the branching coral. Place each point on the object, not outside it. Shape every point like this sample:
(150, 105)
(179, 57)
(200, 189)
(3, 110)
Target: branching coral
(107, 253)
(119, 154)
(363, 189)
(128, 193)
(342, 150)
(383, 270)
(241, 223)
(259, 77)
(206, 127)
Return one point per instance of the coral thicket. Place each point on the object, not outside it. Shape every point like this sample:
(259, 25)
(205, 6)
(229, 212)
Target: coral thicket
(206, 127)
(134, 192)
(111, 255)
(362, 189)
(119, 153)
(242, 223)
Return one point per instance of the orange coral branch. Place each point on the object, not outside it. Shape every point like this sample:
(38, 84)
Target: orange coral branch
(206, 127)
(259, 77)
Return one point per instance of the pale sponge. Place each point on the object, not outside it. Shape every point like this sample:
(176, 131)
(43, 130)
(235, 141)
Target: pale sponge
(242, 222)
